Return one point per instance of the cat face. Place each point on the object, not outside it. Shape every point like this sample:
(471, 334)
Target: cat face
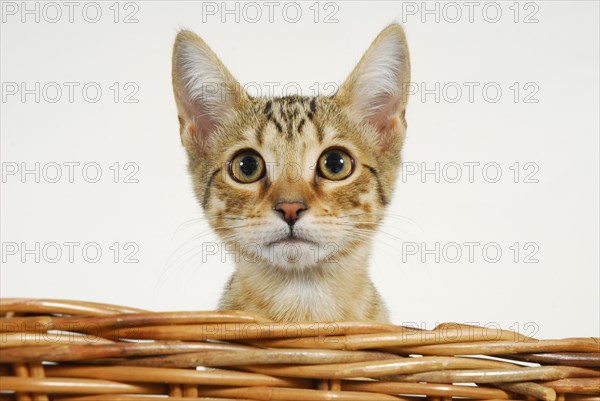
(293, 182)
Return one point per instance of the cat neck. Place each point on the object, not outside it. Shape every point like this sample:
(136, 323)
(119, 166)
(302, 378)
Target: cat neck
(331, 290)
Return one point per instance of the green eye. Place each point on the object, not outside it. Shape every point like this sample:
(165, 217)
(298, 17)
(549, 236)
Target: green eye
(247, 167)
(335, 164)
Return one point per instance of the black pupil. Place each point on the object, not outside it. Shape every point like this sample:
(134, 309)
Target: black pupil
(248, 165)
(334, 162)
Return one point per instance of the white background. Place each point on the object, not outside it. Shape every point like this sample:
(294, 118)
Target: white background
(558, 56)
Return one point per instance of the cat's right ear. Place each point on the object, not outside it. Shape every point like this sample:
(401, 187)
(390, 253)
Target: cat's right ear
(205, 91)
(376, 90)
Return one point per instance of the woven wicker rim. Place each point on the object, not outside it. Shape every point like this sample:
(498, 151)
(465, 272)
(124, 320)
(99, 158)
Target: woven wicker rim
(73, 350)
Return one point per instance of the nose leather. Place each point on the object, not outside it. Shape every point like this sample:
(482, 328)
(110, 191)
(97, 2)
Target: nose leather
(290, 211)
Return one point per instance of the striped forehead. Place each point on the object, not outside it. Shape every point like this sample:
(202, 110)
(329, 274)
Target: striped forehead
(289, 125)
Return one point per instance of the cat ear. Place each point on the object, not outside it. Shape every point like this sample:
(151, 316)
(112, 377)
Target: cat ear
(205, 91)
(376, 90)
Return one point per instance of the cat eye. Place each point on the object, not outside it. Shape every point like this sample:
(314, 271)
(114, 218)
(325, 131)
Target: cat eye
(246, 167)
(335, 164)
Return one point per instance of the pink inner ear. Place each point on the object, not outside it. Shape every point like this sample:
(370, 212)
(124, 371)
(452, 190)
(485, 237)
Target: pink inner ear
(386, 120)
(201, 124)
(204, 125)
(193, 137)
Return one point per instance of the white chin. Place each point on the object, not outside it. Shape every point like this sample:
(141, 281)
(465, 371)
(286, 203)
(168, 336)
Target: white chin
(294, 255)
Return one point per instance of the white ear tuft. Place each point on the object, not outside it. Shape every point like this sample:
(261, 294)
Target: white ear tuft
(375, 91)
(205, 91)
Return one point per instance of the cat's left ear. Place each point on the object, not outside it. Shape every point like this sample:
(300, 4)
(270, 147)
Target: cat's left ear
(205, 91)
(376, 90)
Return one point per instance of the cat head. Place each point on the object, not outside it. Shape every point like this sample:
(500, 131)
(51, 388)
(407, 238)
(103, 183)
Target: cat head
(293, 182)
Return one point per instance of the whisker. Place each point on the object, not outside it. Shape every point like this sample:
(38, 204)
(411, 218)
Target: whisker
(383, 215)
(368, 238)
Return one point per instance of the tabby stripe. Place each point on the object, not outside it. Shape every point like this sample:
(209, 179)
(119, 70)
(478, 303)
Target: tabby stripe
(208, 187)
(271, 118)
(382, 198)
(268, 107)
(319, 133)
(313, 108)
(300, 125)
(290, 125)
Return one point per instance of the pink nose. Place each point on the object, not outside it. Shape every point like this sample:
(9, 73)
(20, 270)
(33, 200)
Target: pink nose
(290, 211)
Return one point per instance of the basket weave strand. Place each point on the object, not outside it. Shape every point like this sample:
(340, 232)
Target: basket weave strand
(72, 350)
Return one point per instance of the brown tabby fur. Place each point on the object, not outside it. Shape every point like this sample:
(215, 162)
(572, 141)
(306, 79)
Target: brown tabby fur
(329, 281)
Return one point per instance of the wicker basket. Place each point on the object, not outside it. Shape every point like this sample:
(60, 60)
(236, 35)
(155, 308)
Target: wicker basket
(64, 350)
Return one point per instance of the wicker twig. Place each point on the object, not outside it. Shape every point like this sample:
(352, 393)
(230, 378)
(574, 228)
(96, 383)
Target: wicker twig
(71, 350)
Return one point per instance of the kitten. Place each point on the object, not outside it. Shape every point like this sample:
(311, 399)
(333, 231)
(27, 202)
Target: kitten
(296, 185)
